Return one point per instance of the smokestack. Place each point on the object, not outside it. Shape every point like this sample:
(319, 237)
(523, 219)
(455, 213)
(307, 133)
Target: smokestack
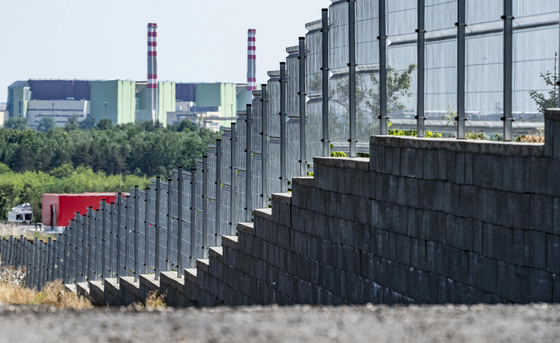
(251, 65)
(152, 87)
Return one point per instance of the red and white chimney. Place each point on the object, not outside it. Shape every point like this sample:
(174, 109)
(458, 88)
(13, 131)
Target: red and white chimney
(251, 65)
(152, 87)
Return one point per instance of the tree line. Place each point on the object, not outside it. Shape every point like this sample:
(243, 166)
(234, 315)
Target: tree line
(141, 149)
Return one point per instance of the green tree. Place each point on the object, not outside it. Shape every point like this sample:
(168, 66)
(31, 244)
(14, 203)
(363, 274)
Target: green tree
(104, 124)
(46, 124)
(87, 123)
(551, 80)
(72, 123)
(17, 124)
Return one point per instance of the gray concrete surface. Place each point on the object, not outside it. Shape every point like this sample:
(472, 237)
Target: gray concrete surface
(499, 323)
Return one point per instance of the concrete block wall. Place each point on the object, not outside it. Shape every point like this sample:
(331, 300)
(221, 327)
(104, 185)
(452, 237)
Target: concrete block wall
(429, 221)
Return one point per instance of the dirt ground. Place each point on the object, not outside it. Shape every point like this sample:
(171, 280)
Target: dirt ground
(531, 323)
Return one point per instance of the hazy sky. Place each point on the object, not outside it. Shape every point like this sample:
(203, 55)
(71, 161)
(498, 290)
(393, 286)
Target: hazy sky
(198, 41)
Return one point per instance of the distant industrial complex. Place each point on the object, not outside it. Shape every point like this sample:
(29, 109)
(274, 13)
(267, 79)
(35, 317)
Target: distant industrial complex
(123, 101)
(210, 105)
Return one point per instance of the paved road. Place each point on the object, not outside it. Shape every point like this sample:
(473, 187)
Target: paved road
(538, 323)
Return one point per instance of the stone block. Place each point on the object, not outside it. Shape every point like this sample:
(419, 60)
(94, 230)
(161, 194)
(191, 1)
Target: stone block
(534, 249)
(504, 244)
(283, 237)
(482, 170)
(489, 240)
(477, 236)
(451, 160)
(460, 168)
(403, 249)
(468, 235)
(393, 165)
(556, 288)
(451, 198)
(517, 214)
(539, 169)
(487, 274)
(381, 159)
(498, 173)
(430, 256)
(374, 213)
(408, 161)
(556, 137)
(468, 201)
(442, 164)
(359, 209)
(553, 179)
(553, 253)
(430, 165)
(542, 286)
(469, 172)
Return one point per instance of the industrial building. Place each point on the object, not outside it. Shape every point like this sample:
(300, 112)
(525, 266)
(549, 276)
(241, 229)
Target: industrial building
(124, 101)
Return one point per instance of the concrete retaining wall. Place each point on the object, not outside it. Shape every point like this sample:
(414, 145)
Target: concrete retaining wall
(421, 221)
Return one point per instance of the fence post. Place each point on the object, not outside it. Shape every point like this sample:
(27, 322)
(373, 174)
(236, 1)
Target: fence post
(233, 170)
(127, 238)
(193, 218)
(461, 27)
(179, 220)
(264, 147)
(204, 206)
(90, 243)
(97, 239)
(118, 236)
(10, 251)
(325, 82)
(74, 261)
(283, 136)
(218, 185)
(35, 259)
(352, 76)
(83, 272)
(508, 69)
(112, 238)
(50, 262)
(421, 52)
(169, 222)
(248, 165)
(147, 233)
(157, 227)
(68, 253)
(382, 69)
(136, 229)
(103, 240)
(302, 109)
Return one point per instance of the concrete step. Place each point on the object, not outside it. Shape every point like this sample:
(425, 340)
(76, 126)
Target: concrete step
(83, 289)
(229, 241)
(129, 291)
(97, 292)
(148, 283)
(216, 253)
(70, 287)
(203, 265)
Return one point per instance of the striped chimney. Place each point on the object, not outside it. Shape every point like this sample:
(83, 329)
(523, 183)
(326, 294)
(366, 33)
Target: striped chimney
(251, 65)
(152, 87)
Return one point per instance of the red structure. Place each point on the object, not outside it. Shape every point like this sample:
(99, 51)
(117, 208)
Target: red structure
(59, 209)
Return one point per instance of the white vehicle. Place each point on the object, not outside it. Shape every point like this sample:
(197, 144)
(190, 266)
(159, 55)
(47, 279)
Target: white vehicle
(21, 214)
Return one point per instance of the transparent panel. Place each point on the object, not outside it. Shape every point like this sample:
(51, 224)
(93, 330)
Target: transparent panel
(338, 64)
(402, 57)
(441, 60)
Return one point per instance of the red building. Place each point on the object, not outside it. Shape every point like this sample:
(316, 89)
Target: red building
(59, 209)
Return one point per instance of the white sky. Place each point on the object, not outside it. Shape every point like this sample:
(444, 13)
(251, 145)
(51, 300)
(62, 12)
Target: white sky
(198, 41)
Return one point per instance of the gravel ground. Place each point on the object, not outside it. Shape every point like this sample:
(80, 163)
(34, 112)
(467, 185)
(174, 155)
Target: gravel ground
(533, 323)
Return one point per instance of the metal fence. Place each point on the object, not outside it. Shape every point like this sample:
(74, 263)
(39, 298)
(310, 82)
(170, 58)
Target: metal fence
(363, 63)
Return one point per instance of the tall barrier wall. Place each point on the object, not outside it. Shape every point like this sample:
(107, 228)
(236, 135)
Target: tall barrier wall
(336, 88)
